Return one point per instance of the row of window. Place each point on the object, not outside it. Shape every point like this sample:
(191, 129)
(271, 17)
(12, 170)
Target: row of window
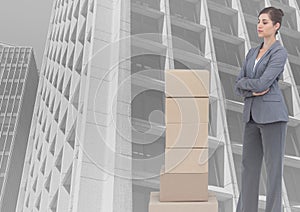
(186, 10)
(9, 73)
(222, 21)
(66, 182)
(66, 56)
(11, 89)
(5, 139)
(183, 38)
(235, 124)
(1, 182)
(7, 50)
(57, 164)
(64, 14)
(7, 123)
(14, 58)
(3, 163)
(191, 11)
(9, 106)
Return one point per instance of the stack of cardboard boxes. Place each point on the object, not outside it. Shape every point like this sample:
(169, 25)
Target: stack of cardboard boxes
(184, 178)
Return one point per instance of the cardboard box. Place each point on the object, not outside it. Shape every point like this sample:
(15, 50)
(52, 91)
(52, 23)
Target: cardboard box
(186, 160)
(187, 110)
(187, 83)
(183, 187)
(185, 135)
(156, 206)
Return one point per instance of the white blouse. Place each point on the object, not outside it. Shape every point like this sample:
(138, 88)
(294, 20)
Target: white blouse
(255, 64)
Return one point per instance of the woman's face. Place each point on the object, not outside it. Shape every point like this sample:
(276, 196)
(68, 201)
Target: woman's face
(265, 27)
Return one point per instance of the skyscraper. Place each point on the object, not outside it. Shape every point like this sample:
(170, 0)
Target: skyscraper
(18, 85)
(98, 140)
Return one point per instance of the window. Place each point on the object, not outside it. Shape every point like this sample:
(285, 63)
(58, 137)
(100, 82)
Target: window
(2, 88)
(145, 24)
(252, 7)
(3, 164)
(53, 204)
(226, 3)
(71, 136)
(235, 126)
(19, 89)
(291, 176)
(285, 2)
(11, 74)
(16, 106)
(236, 55)
(5, 74)
(292, 141)
(8, 144)
(145, 62)
(2, 141)
(182, 64)
(292, 44)
(296, 73)
(298, 1)
(63, 122)
(228, 80)
(140, 197)
(154, 4)
(185, 10)
(223, 22)
(47, 183)
(3, 106)
(14, 88)
(212, 124)
(23, 73)
(78, 65)
(58, 161)
(289, 19)
(10, 105)
(1, 182)
(216, 166)
(68, 179)
(193, 44)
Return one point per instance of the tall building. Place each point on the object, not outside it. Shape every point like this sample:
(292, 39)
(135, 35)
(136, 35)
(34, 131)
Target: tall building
(97, 142)
(18, 86)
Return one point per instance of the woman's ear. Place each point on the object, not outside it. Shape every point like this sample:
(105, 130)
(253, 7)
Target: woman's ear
(277, 26)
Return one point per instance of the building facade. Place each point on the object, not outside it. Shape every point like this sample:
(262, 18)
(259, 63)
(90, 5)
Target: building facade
(97, 142)
(18, 86)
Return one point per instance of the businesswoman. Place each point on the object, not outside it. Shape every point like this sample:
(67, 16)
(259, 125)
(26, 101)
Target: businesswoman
(265, 115)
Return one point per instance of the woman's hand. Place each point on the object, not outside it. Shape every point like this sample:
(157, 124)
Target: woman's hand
(260, 93)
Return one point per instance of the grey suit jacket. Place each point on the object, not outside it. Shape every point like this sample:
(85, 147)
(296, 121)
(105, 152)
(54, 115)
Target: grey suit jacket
(270, 107)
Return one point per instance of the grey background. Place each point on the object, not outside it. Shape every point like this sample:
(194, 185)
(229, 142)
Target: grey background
(25, 23)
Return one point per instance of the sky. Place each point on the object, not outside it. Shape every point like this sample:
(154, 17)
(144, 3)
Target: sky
(25, 23)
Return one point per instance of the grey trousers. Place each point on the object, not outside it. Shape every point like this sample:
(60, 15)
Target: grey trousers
(268, 141)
